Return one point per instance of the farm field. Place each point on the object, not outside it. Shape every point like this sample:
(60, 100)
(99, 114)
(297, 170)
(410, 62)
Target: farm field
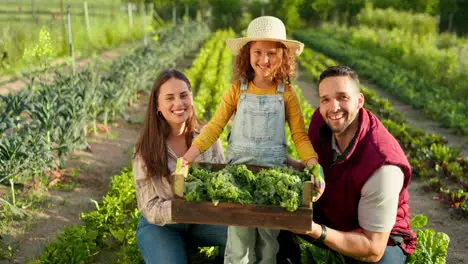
(67, 193)
(25, 25)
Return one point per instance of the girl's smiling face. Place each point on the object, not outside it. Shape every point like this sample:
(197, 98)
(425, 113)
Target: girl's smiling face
(265, 58)
(175, 102)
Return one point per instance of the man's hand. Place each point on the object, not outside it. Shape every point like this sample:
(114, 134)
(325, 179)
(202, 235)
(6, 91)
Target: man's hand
(314, 232)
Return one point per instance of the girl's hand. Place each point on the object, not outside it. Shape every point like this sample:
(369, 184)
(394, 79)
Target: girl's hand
(185, 162)
(191, 154)
(299, 165)
(312, 161)
(319, 183)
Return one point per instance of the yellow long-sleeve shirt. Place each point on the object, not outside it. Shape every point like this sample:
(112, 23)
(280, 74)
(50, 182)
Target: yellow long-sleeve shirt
(228, 106)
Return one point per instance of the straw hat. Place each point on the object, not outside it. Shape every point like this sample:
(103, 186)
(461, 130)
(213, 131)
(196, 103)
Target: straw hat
(265, 28)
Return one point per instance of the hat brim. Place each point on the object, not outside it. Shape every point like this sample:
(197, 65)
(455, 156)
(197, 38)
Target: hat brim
(236, 44)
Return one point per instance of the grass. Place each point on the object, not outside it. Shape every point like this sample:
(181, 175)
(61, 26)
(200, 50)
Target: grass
(109, 27)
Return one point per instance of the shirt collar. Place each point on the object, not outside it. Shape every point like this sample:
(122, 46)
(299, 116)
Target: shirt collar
(335, 146)
(171, 153)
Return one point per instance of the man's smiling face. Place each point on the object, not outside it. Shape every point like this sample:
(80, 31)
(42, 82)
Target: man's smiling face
(340, 101)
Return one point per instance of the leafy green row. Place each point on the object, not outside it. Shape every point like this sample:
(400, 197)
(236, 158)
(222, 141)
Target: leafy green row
(194, 73)
(436, 101)
(212, 70)
(43, 123)
(419, 53)
(416, 23)
(111, 225)
(428, 154)
(211, 76)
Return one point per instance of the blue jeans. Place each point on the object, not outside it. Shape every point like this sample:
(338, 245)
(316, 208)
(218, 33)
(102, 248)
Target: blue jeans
(169, 243)
(392, 255)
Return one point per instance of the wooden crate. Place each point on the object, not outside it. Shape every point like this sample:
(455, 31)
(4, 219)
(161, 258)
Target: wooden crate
(272, 217)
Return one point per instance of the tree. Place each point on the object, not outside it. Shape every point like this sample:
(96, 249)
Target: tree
(288, 12)
(226, 13)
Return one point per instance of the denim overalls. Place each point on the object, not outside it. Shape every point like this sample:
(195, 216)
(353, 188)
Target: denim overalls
(257, 138)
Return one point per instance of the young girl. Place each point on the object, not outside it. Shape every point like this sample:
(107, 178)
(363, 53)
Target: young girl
(262, 100)
(169, 128)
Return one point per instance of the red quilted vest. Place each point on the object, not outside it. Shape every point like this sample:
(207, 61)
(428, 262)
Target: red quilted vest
(373, 147)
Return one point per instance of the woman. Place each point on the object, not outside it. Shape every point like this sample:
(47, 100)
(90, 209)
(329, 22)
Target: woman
(168, 131)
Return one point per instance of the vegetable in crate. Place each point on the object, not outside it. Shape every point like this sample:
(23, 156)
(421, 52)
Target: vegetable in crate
(237, 184)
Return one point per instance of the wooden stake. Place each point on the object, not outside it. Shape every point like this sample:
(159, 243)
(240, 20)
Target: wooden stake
(88, 29)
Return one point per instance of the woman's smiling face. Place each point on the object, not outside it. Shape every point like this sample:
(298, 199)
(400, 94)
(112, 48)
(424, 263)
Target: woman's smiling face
(175, 102)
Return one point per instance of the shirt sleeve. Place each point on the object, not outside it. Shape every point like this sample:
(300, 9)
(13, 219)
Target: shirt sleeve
(295, 120)
(218, 156)
(210, 133)
(156, 210)
(378, 206)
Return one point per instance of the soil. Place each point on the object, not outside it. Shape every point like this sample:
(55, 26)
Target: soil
(441, 219)
(110, 154)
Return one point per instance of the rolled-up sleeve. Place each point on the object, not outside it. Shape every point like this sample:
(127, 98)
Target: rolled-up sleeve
(378, 205)
(295, 120)
(156, 210)
(213, 129)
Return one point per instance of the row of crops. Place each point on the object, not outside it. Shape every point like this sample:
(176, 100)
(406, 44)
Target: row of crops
(112, 225)
(42, 124)
(432, 80)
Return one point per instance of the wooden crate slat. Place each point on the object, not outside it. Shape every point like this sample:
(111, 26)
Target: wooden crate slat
(272, 217)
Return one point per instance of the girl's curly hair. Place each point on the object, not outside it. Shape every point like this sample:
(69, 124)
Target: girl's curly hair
(284, 74)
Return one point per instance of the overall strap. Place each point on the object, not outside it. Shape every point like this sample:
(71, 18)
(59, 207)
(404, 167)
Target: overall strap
(244, 85)
(280, 88)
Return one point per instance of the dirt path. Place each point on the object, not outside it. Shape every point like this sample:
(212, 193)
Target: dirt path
(110, 153)
(421, 202)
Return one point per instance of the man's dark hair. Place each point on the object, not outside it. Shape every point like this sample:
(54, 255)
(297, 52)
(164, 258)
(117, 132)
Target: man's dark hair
(340, 70)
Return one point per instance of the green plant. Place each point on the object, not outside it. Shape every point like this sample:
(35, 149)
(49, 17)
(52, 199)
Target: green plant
(431, 247)
(41, 51)
(75, 245)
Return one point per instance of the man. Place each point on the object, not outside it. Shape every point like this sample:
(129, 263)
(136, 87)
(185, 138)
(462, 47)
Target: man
(363, 213)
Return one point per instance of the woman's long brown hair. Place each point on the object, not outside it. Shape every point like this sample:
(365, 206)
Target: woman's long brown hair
(284, 74)
(151, 144)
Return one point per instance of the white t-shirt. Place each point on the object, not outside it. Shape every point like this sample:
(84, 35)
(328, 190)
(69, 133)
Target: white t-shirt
(377, 208)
